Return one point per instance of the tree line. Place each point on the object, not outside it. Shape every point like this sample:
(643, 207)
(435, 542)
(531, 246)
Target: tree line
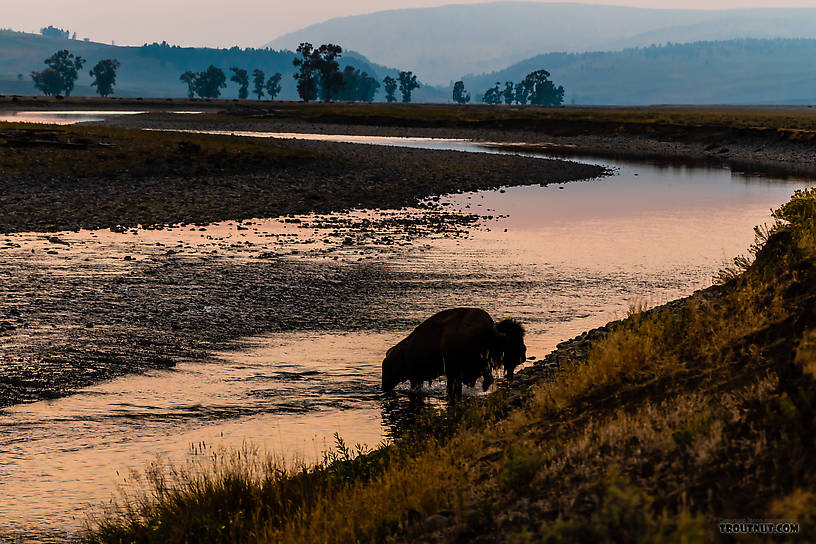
(536, 88)
(63, 70)
(318, 76)
(208, 84)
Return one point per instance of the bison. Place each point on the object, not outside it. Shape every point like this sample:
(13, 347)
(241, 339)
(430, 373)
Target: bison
(462, 344)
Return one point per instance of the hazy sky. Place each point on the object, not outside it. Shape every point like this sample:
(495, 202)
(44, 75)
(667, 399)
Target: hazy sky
(224, 23)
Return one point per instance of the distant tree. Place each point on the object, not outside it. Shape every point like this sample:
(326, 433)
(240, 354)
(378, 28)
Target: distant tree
(273, 86)
(48, 81)
(104, 76)
(508, 94)
(306, 76)
(258, 77)
(460, 96)
(331, 80)
(542, 91)
(19, 77)
(189, 78)
(390, 88)
(54, 32)
(407, 83)
(522, 93)
(209, 84)
(357, 86)
(493, 95)
(64, 70)
(239, 76)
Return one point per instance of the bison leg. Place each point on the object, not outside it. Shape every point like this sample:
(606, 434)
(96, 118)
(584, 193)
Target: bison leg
(487, 380)
(454, 388)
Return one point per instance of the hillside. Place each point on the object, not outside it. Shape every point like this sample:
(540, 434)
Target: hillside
(448, 41)
(747, 71)
(153, 70)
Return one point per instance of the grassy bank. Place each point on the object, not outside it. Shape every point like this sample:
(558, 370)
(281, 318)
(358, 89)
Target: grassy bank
(785, 121)
(675, 420)
(92, 152)
(621, 119)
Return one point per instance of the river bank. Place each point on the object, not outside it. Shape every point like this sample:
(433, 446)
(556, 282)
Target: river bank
(771, 140)
(65, 178)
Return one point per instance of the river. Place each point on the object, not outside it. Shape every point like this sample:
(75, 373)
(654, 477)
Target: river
(562, 258)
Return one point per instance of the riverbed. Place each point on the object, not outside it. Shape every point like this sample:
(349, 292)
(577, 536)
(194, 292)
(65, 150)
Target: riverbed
(561, 258)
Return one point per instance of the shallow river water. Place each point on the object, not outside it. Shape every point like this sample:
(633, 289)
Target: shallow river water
(562, 258)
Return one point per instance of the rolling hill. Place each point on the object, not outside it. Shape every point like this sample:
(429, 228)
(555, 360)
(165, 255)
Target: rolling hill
(153, 70)
(441, 44)
(746, 71)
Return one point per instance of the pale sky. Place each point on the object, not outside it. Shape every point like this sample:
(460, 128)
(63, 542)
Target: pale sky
(247, 23)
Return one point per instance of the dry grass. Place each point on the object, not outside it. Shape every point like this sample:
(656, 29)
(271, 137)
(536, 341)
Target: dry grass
(82, 152)
(792, 122)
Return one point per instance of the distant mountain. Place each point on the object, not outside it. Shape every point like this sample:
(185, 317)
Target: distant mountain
(746, 71)
(440, 44)
(154, 70)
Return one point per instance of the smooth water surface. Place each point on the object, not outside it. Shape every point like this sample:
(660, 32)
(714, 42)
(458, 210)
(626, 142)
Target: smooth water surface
(563, 258)
(68, 117)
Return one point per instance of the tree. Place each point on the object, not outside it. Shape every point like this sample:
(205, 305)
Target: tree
(189, 78)
(258, 77)
(508, 93)
(390, 88)
(522, 93)
(61, 74)
(542, 91)
(493, 95)
(48, 81)
(239, 76)
(331, 80)
(407, 83)
(273, 86)
(209, 84)
(305, 76)
(459, 94)
(54, 32)
(104, 74)
(357, 86)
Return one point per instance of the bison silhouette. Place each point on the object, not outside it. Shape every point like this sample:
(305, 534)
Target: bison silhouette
(462, 344)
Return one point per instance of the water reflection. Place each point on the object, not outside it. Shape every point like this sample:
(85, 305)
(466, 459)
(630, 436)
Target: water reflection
(70, 117)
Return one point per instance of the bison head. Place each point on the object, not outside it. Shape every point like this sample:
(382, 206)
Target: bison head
(393, 371)
(510, 336)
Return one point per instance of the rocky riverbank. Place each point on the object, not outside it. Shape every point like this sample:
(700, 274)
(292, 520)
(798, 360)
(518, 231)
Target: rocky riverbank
(65, 178)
